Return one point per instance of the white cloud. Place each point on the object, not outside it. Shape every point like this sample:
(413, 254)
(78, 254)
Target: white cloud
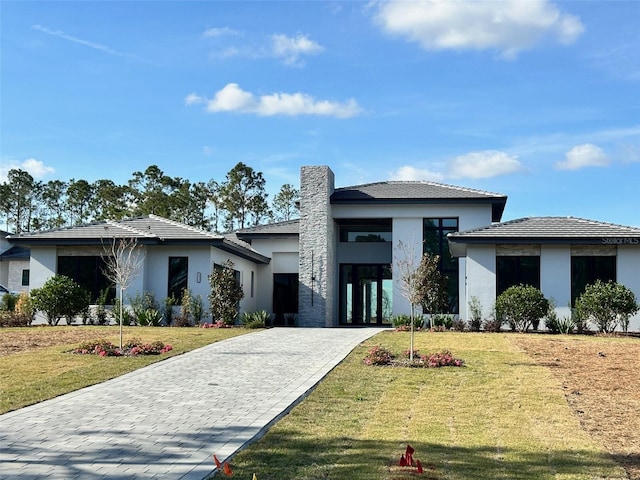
(409, 173)
(508, 26)
(484, 164)
(220, 32)
(36, 168)
(586, 155)
(291, 49)
(193, 99)
(232, 98)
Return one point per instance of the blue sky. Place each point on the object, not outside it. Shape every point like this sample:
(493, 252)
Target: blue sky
(534, 99)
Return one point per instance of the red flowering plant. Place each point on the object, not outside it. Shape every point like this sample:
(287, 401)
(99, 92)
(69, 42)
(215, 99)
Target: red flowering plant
(133, 347)
(441, 359)
(378, 355)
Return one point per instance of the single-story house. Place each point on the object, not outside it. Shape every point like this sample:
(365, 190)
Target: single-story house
(338, 264)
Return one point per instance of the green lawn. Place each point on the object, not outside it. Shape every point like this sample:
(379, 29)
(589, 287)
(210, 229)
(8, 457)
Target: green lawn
(500, 417)
(33, 376)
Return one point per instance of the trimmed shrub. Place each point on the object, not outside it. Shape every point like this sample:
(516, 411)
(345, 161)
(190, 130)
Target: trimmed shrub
(521, 306)
(607, 305)
(60, 297)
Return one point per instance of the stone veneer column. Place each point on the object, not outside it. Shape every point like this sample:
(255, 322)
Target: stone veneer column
(317, 247)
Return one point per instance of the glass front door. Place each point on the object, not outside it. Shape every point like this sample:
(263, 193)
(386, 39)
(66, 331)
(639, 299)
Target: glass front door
(365, 294)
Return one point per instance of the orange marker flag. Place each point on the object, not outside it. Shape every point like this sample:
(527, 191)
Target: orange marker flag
(420, 470)
(227, 470)
(215, 459)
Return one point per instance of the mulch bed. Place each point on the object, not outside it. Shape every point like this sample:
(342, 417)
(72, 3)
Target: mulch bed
(601, 382)
(34, 338)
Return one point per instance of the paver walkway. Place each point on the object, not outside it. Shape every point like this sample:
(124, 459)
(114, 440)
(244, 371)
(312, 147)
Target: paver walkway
(166, 420)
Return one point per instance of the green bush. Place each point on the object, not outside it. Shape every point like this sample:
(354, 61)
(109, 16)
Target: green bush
(443, 320)
(521, 306)
(257, 319)
(9, 301)
(60, 297)
(403, 322)
(608, 305)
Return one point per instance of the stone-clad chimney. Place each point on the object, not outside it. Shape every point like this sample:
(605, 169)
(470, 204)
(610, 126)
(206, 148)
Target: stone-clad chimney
(317, 247)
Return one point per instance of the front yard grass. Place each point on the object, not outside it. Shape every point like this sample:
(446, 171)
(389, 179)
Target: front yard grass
(35, 365)
(503, 416)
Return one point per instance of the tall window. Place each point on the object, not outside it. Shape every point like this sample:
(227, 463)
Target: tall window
(585, 270)
(25, 277)
(86, 271)
(435, 231)
(178, 274)
(517, 270)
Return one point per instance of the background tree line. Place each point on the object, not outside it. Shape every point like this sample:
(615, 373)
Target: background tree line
(240, 201)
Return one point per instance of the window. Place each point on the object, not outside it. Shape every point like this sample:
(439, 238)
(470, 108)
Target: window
(585, 270)
(435, 231)
(368, 230)
(86, 271)
(252, 282)
(178, 274)
(25, 277)
(285, 293)
(366, 294)
(517, 270)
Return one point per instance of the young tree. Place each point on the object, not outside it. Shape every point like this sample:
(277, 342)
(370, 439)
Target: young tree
(607, 304)
(421, 282)
(226, 293)
(284, 204)
(122, 262)
(60, 297)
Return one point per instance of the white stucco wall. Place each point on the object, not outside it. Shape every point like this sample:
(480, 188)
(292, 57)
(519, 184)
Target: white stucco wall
(628, 268)
(14, 280)
(480, 279)
(42, 265)
(555, 276)
(284, 259)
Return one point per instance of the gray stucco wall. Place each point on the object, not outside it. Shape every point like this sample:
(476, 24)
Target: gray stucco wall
(317, 248)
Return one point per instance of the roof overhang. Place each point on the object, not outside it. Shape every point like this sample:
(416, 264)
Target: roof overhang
(497, 203)
(458, 243)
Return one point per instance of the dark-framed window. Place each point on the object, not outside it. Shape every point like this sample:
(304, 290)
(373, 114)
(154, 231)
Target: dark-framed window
(366, 230)
(88, 272)
(285, 293)
(178, 275)
(25, 277)
(517, 270)
(435, 231)
(585, 270)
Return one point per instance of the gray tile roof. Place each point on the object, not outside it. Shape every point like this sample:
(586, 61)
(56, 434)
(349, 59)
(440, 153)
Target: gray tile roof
(15, 253)
(278, 229)
(417, 192)
(396, 190)
(549, 229)
(148, 229)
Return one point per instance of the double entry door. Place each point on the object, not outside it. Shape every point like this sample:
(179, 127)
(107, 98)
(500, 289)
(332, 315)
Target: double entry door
(366, 294)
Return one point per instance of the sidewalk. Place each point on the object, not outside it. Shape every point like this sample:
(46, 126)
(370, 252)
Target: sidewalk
(166, 420)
